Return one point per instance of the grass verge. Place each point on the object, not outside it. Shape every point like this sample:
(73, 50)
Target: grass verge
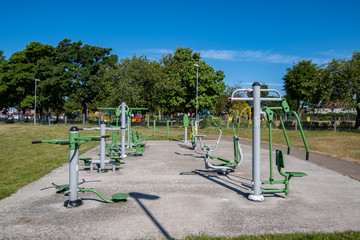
(348, 235)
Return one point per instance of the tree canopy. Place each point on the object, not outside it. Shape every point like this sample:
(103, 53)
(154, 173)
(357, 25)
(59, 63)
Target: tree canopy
(76, 75)
(337, 81)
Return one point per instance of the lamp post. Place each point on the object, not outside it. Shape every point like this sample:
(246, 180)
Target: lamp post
(197, 86)
(36, 80)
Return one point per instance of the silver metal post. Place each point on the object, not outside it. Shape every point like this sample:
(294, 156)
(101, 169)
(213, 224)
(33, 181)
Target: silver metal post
(197, 101)
(256, 177)
(128, 132)
(123, 129)
(36, 80)
(185, 135)
(73, 170)
(102, 147)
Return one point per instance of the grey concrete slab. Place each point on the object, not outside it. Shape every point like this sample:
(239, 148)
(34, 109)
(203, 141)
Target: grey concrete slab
(172, 195)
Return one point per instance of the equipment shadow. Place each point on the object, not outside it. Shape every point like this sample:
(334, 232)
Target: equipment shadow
(138, 196)
(239, 187)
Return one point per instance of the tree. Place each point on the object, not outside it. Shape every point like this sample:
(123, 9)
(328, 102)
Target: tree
(18, 74)
(137, 81)
(299, 83)
(180, 83)
(339, 82)
(354, 92)
(81, 68)
(2, 57)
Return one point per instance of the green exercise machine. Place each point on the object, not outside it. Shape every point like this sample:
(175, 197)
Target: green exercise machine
(225, 166)
(280, 162)
(72, 188)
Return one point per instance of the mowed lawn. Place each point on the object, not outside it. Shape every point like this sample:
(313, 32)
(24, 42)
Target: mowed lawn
(22, 162)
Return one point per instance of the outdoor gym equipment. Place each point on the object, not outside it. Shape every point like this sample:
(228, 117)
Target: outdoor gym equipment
(255, 194)
(115, 160)
(194, 125)
(227, 165)
(279, 154)
(72, 188)
(186, 125)
(125, 112)
(280, 163)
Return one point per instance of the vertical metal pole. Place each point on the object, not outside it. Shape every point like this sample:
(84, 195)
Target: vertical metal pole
(167, 128)
(123, 129)
(154, 127)
(256, 178)
(185, 134)
(197, 90)
(102, 147)
(73, 201)
(36, 80)
(129, 131)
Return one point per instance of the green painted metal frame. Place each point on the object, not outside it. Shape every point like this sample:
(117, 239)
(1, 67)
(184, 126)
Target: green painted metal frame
(74, 143)
(270, 117)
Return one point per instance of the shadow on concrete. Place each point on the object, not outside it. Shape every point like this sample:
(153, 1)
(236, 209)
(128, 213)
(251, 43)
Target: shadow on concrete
(138, 196)
(213, 175)
(185, 146)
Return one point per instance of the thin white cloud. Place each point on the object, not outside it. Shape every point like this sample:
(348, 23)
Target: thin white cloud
(255, 56)
(158, 50)
(219, 54)
(248, 56)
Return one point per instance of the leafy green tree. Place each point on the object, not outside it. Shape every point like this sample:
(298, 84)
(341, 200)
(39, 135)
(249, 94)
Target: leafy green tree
(339, 81)
(353, 96)
(2, 57)
(81, 68)
(299, 83)
(18, 75)
(137, 81)
(180, 83)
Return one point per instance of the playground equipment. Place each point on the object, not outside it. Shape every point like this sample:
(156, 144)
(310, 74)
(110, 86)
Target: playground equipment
(256, 191)
(72, 188)
(115, 160)
(227, 165)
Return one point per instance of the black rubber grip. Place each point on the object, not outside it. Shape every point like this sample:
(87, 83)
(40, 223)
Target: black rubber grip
(106, 136)
(65, 143)
(288, 152)
(95, 139)
(307, 155)
(35, 142)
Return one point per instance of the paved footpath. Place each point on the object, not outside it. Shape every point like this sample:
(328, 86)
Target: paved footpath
(172, 195)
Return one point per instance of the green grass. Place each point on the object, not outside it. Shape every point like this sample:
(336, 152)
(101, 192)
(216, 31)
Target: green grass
(349, 235)
(22, 162)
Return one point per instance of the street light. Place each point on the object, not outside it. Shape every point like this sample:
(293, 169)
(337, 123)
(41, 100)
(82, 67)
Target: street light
(197, 85)
(36, 80)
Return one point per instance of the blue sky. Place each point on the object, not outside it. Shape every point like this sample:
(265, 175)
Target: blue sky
(249, 40)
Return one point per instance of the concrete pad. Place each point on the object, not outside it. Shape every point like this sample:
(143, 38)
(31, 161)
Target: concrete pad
(172, 195)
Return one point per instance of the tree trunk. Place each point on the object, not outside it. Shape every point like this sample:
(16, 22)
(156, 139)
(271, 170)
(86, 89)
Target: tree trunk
(357, 122)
